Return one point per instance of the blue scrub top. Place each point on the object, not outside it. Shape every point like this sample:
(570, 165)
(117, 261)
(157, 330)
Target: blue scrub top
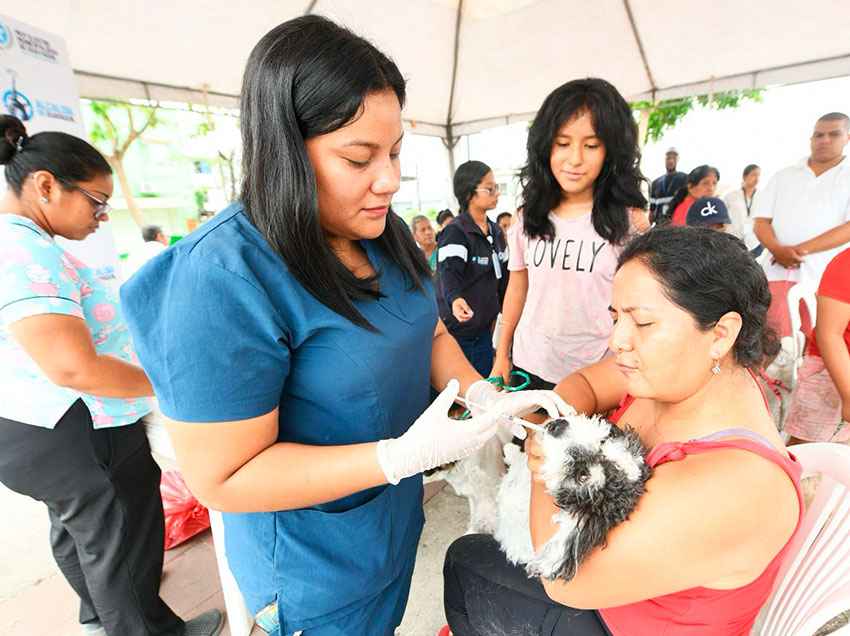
(225, 333)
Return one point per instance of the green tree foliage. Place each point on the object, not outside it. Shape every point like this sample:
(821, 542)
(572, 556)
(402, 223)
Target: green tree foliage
(116, 126)
(667, 113)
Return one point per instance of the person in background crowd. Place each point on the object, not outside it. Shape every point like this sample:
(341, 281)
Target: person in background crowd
(701, 182)
(423, 234)
(504, 221)
(444, 217)
(580, 183)
(820, 404)
(666, 186)
(709, 212)
(155, 241)
(72, 394)
(739, 202)
(802, 217)
(690, 306)
(472, 262)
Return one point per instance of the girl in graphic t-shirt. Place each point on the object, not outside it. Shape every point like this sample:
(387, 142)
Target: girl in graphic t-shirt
(581, 186)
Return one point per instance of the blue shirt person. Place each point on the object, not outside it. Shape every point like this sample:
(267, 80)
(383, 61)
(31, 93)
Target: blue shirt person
(291, 342)
(234, 336)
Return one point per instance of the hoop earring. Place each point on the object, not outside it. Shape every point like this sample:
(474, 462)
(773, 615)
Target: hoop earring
(716, 368)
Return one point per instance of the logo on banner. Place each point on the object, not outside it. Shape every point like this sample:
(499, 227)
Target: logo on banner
(54, 110)
(17, 104)
(6, 39)
(34, 45)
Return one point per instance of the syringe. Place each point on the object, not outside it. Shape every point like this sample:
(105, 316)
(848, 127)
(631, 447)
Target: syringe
(511, 418)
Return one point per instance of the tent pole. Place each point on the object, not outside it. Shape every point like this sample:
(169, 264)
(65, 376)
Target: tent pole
(627, 5)
(450, 141)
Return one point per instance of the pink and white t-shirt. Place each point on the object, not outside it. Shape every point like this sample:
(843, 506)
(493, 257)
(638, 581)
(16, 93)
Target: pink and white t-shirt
(565, 324)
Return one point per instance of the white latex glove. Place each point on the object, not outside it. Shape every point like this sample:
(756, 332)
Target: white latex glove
(435, 439)
(487, 398)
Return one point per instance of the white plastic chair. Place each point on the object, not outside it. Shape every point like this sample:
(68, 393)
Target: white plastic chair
(813, 585)
(807, 294)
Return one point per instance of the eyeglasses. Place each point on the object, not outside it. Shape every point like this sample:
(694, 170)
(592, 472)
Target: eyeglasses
(491, 190)
(101, 208)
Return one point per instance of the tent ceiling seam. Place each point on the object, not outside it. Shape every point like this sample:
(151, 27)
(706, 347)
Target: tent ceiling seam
(753, 75)
(639, 41)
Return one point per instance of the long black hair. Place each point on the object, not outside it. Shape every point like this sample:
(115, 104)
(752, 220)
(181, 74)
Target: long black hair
(466, 178)
(304, 78)
(709, 273)
(69, 159)
(618, 184)
(694, 177)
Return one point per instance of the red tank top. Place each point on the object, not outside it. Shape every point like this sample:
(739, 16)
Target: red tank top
(680, 214)
(703, 611)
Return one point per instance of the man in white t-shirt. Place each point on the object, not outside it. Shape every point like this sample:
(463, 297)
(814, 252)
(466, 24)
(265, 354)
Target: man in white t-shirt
(803, 216)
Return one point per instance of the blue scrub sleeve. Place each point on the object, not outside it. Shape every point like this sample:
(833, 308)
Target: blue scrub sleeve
(212, 344)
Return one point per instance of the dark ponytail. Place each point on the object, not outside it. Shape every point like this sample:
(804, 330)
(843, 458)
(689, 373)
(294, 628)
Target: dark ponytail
(68, 158)
(466, 179)
(685, 261)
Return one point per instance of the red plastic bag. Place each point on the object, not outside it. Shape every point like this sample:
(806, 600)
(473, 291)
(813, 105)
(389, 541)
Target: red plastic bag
(185, 516)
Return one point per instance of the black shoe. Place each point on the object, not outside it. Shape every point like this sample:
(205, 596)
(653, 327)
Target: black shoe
(209, 623)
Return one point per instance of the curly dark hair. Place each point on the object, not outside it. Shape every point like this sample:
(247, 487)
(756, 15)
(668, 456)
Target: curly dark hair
(709, 273)
(618, 184)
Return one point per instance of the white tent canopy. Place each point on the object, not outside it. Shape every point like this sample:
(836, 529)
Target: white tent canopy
(470, 64)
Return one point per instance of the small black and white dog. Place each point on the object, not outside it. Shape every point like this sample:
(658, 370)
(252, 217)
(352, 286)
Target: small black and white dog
(596, 473)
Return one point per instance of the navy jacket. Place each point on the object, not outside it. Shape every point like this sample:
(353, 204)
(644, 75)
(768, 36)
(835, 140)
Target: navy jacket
(473, 267)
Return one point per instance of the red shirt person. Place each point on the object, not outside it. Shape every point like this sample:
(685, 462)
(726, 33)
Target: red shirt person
(702, 182)
(820, 405)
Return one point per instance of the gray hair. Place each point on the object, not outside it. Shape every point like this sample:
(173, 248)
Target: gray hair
(416, 219)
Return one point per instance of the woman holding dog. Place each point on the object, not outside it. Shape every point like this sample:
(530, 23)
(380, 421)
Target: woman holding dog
(701, 552)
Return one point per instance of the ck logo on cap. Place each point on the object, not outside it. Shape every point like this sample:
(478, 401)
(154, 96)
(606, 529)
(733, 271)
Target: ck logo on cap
(708, 209)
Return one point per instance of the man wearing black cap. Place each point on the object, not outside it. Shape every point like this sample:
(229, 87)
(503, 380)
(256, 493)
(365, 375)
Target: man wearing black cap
(665, 187)
(709, 212)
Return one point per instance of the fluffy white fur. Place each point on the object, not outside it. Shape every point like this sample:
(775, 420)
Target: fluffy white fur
(477, 478)
(577, 459)
(512, 531)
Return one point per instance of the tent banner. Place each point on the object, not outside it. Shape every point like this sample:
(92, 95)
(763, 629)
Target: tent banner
(37, 86)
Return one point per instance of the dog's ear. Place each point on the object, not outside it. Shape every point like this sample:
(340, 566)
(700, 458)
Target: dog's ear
(635, 445)
(616, 432)
(591, 532)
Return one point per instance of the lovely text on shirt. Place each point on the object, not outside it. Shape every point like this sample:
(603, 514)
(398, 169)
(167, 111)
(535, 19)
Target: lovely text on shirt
(570, 254)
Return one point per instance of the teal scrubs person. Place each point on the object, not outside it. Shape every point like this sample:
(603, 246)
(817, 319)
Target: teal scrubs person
(226, 333)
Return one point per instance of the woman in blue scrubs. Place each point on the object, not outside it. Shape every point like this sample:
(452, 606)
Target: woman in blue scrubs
(292, 340)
